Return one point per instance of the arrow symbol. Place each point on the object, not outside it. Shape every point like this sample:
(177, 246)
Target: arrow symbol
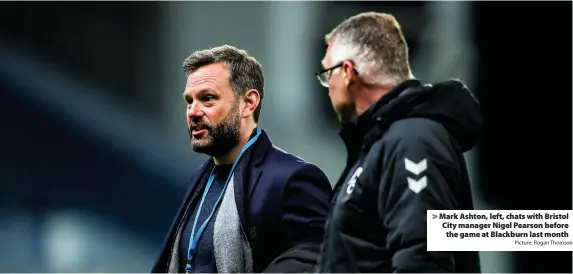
(434, 216)
(416, 168)
(417, 185)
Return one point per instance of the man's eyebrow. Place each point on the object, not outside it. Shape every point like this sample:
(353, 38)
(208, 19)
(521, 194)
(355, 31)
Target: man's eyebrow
(205, 90)
(187, 97)
(208, 90)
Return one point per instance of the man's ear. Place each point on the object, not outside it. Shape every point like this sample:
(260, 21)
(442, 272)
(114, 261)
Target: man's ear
(252, 100)
(348, 70)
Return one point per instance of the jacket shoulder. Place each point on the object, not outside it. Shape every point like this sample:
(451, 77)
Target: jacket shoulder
(414, 129)
(415, 139)
(285, 167)
(286, 160)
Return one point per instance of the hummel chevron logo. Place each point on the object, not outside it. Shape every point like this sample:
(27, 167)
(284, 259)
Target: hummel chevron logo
(415, 168)
(418, 185)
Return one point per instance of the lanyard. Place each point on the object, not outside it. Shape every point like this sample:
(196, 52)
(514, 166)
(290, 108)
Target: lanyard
(195, 237)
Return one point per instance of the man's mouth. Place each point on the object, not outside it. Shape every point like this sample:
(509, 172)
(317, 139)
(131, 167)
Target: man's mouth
(198, 131)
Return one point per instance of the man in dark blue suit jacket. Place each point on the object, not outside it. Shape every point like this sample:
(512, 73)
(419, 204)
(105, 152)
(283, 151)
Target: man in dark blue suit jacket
(251, 207)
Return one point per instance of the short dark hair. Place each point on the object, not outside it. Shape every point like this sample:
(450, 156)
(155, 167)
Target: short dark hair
(246, 72)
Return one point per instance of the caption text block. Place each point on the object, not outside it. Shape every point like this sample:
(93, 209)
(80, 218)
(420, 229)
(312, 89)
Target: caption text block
(500, 230)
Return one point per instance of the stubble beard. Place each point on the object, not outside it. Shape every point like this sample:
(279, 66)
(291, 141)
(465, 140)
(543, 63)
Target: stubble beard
(346, 112)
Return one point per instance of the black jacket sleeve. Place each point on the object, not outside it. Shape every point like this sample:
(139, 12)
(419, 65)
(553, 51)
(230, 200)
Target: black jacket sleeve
(417, 175)
(300, 259)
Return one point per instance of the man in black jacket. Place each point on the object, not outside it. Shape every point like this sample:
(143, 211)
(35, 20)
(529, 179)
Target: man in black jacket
(405, 143)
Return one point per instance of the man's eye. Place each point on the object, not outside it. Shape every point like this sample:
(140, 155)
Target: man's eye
(208, 98)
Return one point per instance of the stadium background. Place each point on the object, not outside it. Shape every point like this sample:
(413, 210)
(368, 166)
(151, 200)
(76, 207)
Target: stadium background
(94, 152)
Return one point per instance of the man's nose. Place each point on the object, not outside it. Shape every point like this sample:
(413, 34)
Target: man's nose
(194, 110)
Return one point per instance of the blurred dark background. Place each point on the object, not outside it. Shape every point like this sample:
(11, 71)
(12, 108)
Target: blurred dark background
(94, 155)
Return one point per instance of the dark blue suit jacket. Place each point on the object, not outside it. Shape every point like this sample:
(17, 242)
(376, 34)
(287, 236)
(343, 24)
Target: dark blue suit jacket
(284, 205)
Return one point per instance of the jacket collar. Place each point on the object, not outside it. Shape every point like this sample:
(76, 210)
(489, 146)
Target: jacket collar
(261, 148)
(363, 131)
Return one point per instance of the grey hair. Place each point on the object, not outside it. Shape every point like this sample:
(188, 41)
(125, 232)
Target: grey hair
(376, 44)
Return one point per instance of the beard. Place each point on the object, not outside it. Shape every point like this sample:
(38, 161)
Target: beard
(345, 111)
(220, 138)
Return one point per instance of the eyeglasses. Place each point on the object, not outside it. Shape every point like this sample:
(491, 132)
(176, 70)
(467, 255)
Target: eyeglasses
(324, 75)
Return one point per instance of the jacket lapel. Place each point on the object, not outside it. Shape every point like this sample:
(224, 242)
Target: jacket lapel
(259, 154)
(247, 175)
